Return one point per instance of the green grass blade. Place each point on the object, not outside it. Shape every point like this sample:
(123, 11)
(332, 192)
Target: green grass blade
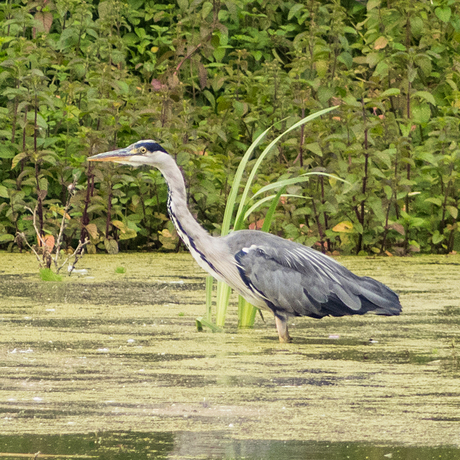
(223, 291)
(295, 180)
(222, 297)
(268, 198)
(271, 210)
(209, 286)
(246, 313)
(200, 322)
(267, 151)
(230, 206)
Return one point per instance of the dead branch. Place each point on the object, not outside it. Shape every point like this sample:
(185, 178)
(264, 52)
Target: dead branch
(77, 254)
(22, 236)
(63, 226)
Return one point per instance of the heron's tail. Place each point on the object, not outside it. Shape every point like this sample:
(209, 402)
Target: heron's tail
(361, 295)
(378, 298)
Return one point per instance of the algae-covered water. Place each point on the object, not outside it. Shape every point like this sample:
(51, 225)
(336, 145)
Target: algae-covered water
(110, 365)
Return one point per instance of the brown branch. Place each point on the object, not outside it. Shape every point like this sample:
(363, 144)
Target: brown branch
(216, 5)
(77, 254)
(190, 55)
(22, 236)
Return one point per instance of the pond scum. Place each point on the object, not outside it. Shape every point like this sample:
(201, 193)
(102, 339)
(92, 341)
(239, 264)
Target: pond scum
(118, 351)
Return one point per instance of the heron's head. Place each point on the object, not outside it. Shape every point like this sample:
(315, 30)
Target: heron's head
(146, 152)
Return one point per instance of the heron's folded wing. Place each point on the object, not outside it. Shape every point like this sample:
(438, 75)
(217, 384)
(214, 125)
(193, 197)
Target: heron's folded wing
(300, 281)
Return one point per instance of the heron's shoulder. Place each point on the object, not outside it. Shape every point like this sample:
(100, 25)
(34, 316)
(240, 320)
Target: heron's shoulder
(268, 243)
(246, 238)
(284, 252)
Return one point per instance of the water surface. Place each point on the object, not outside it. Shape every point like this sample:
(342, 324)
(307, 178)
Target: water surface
(111, 365)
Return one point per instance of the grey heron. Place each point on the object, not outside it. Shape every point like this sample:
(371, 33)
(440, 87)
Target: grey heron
(272, 273)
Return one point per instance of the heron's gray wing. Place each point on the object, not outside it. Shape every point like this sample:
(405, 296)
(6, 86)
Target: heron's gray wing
(297, 280)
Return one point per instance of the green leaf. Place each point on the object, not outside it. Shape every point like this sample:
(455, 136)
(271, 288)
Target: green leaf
(209, 96)
(219, 53)
(324, 94)
(111, 246)
(350, 30)
(443, 13)
(437, 237)
(412, 74)
(315, 148)
(453, 211)
(426, 96)
(295, 180)
(200, 322)
(421, 114)
(435, 201)
(246, 313)
(391, 92)
(346, 58)
(209, 289)
(381, 69)
(294, 10)
(17, 159)
(128, 234)
(258, 204)
(123, 86)
(46, 274)
(388, 191)
(3, 192)
(372, 59)
(6, 152)
(5, 237)
(424, 62)
(183, 4)
(371, 4)
(240, 108)
(416, 25)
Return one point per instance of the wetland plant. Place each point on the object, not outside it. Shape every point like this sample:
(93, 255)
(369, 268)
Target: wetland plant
(247, 204)
(48, 250)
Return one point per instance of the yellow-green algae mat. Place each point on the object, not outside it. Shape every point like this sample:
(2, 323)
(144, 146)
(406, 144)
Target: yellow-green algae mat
(106, 351)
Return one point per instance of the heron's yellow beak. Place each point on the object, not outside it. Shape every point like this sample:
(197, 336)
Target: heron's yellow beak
(116, 156)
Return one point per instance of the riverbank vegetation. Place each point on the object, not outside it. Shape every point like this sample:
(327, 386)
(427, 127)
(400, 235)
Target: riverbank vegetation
(206, 78)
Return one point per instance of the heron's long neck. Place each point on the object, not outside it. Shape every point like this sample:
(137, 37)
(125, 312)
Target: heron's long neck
(212, 254)
(192, 233)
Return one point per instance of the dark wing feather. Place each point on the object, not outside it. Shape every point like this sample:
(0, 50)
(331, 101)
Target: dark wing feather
(296, 280)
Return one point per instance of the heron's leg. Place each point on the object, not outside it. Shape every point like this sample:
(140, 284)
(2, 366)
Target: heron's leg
(282, 328)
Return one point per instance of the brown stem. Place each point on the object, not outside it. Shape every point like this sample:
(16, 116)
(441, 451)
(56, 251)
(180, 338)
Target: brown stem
(189, 55)
(109, 214)
(364, 184)
(89, 194)
(320, 228)
(302, 141)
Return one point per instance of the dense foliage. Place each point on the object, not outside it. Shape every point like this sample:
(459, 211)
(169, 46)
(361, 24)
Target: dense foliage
(205, 78)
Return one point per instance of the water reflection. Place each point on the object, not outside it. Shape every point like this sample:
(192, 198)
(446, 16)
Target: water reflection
(189, 445)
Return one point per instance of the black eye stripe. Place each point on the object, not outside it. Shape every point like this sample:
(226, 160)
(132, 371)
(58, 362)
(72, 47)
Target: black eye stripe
(150, 146)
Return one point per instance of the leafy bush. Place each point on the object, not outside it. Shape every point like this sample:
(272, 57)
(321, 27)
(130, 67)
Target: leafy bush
(206, 78)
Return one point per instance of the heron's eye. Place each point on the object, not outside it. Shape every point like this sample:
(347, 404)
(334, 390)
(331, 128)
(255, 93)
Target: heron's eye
(143, 150)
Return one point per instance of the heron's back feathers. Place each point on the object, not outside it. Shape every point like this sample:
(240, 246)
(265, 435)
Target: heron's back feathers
(292, 279)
